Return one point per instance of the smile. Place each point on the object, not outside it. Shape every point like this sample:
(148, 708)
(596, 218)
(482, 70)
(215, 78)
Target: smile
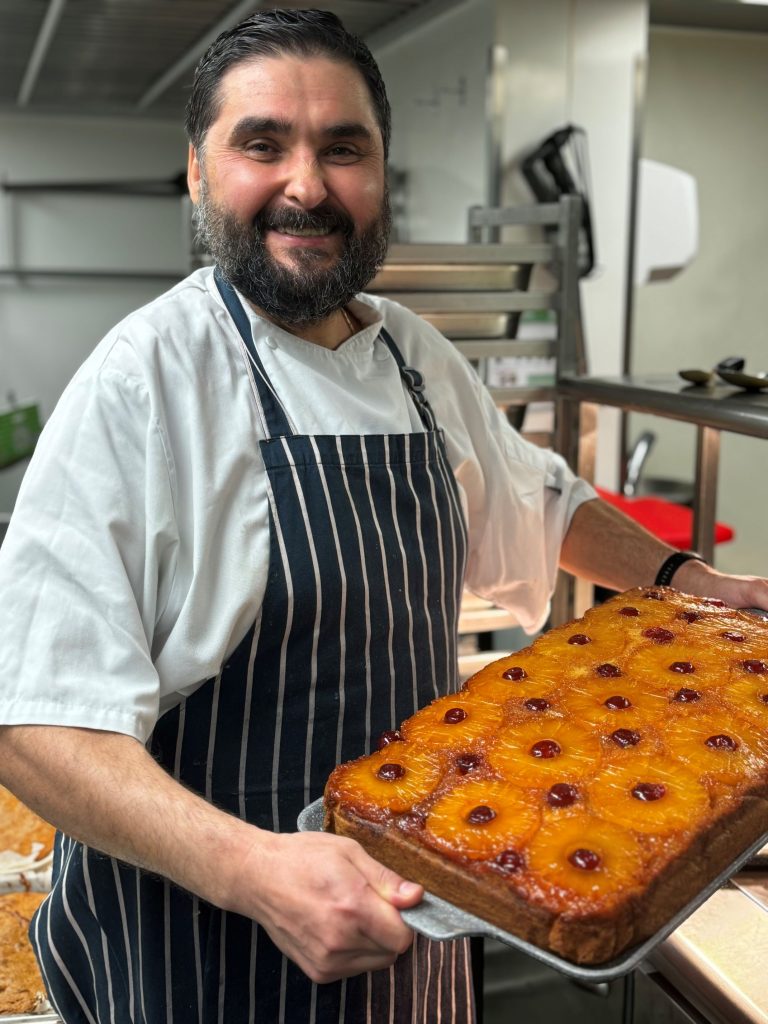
(305, 232)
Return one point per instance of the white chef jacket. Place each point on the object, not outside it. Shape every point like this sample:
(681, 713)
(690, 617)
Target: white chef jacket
(137, 554)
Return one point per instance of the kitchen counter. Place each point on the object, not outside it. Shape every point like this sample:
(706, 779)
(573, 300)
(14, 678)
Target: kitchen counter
(717, 958)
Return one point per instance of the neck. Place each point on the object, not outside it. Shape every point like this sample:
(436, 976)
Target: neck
(328, 333)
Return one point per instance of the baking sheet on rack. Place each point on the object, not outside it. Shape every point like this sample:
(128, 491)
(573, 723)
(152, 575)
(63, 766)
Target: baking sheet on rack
(435, 918)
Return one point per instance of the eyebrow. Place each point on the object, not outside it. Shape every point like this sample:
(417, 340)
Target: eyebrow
(278, 126)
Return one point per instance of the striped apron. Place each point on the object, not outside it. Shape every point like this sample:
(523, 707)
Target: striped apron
(357, 630)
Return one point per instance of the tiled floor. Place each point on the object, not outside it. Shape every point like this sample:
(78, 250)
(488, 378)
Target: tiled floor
(520, 990)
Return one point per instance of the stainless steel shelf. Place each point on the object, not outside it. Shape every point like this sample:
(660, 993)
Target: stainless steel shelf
(722, 407)
(709, 410)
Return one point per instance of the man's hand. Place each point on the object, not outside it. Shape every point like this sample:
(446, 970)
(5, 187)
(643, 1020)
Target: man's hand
(323, 900)
(737, 591)
(325, 903)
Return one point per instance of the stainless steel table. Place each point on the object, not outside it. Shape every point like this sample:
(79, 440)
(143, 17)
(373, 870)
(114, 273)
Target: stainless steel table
(710, 409)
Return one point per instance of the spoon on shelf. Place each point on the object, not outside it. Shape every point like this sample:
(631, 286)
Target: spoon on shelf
(733, 364)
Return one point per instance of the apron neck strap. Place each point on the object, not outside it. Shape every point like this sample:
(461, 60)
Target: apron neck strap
(276, 419)
(277, 422)
(413, 380)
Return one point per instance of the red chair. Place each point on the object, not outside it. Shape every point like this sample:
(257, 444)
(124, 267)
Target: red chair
(669, 522)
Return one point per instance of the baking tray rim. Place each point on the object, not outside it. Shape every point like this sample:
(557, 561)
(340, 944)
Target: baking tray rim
(424, 917)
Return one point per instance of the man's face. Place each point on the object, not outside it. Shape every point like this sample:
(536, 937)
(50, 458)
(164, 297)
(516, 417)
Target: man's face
(290, 187)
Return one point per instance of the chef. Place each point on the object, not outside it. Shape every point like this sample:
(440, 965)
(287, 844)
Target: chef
(237, 558)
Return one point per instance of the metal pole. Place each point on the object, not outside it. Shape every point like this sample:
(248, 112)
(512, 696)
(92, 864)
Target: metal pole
(705, 495)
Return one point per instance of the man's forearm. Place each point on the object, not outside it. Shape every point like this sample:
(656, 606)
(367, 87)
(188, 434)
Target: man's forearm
(608, 548)
(106, 790)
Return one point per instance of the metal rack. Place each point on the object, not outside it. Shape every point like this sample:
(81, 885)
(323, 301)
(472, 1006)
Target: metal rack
(710, 410)
(474, 294)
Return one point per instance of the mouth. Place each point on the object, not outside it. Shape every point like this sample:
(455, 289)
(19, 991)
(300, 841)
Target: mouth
(305, 232)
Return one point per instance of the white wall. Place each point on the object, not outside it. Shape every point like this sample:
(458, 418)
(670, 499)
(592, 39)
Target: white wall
(49, 325)
(573, 61)
(705, 113)
(436, 79)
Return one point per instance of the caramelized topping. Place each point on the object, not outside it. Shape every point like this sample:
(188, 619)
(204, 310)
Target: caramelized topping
(515, 674)
(659, 635)
(648, 791)
(579, 639)
(721, 742)
(617, 703)
(715, 602)
(653, 595)
(608, 671)
(537, 704)
(411, 820)
(629, 611)
(391, 772)
(587, 860)
(735, 638)
(545, 749)
(562, 795)
(454, 715)
(481, 815)
(625, 737)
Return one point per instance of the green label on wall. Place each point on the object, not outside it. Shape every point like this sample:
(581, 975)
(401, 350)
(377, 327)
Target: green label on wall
(19, 431)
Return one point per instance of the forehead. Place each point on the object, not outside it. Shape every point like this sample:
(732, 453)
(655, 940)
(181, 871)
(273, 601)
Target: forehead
(313, 89)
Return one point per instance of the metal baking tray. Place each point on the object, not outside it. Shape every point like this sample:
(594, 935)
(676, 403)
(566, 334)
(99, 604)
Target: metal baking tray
(31, 1018)
(435, 918)
(429, 277)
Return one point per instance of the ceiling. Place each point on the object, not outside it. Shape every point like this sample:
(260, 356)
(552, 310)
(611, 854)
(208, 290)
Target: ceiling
(722, 15)
(136, 57)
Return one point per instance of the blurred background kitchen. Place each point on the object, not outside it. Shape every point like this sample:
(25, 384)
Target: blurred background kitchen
(671, 157)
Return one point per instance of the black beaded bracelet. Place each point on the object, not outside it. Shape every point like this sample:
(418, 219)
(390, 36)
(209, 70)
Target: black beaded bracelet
(670, 566)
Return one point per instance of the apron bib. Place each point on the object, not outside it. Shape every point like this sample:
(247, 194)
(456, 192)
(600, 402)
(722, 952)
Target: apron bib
(356, 632)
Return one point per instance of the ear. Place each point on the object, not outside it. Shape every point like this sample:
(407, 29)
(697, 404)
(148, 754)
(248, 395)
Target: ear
(193, 174)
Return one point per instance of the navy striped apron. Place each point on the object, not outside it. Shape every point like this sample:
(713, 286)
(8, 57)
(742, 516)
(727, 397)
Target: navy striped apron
(357, 630)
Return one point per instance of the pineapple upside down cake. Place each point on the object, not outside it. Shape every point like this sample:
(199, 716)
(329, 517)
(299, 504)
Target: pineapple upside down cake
(580, 792)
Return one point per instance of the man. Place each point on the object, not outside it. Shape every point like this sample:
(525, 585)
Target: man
(237, 558)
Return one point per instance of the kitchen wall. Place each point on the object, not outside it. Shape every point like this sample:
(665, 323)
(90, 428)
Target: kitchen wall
(569, 60)
(49, 325)
(705, 113)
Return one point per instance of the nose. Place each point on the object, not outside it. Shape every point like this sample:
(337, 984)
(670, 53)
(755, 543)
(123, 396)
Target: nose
(306, 184)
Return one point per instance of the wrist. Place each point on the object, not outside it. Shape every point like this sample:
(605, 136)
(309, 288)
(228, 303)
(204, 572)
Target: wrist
(668, 572)
(692, 577)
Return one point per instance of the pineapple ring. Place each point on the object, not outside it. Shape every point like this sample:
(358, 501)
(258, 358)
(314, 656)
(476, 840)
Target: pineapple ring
(685, 738)
(359, 784)
(452, 723)
(587, 704)
(620, 858)
(577, 754)
(748, 697)
(515, 819)
(683, 801)
(540, 678)
(652, 666)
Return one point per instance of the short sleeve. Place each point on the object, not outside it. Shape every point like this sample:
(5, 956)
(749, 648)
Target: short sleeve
(87, 564)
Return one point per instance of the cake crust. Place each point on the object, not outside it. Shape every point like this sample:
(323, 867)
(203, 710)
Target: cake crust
(690, 678)
(21, 985)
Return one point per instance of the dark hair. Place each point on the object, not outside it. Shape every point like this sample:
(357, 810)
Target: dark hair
(307, 33)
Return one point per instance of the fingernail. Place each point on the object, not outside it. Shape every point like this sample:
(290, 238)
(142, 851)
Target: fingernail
(408, 889)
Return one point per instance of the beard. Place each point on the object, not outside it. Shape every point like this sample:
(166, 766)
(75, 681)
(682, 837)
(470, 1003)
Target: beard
(303, 292)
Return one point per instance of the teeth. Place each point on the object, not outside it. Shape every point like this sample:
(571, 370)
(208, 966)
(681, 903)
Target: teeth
(305, 232)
